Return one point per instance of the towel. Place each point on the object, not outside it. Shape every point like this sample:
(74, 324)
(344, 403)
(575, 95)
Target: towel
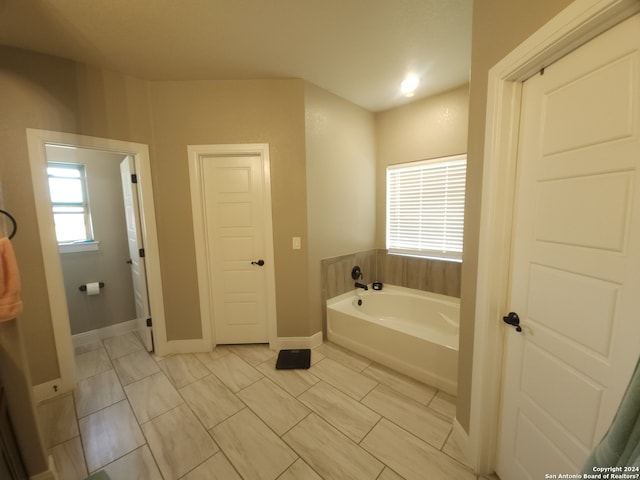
(10, 303)
(620, 446)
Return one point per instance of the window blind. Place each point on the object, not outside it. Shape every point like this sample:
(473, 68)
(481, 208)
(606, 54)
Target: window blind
(68, 191)
(425, 207)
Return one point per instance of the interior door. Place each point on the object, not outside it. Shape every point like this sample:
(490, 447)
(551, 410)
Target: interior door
(575, 259)
(233, 197)
(136, 259)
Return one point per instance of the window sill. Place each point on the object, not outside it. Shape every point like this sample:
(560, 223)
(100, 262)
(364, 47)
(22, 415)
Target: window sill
(76, 247)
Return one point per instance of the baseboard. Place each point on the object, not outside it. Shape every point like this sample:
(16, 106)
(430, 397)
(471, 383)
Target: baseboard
(52, 388)
(199, 345)
(92, 336)
(461, 437)
(291, 343)
(49, 474)
(185, 346)
(57, 386)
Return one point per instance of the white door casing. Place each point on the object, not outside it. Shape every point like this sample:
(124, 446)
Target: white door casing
(581, 21)
(575, 257)
(134, 242)
(231, 204)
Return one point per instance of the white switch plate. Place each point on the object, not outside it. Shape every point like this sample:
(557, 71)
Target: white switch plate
(296, 243)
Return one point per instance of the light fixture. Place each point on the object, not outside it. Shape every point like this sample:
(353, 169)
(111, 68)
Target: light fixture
(409, 85)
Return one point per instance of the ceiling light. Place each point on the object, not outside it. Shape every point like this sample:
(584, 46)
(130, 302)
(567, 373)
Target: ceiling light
(409, 85)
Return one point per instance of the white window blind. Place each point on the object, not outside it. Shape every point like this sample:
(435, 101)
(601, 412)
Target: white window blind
(425, 207)
(68, 190)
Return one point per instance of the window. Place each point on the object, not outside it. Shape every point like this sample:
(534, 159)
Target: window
(67, 186)
(425, 207)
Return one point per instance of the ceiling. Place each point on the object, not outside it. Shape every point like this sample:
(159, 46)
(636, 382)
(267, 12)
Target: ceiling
(357, 49)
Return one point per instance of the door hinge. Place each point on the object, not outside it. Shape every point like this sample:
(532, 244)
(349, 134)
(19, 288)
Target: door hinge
(141, 252)
(134, 178)
(149, 322)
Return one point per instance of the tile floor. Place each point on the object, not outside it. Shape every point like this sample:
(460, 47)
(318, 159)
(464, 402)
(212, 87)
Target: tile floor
(230, 414)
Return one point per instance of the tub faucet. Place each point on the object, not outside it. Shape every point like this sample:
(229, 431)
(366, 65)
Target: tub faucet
(361, 285)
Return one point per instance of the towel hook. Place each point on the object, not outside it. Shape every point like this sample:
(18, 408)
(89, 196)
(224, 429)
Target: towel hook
(13, 222)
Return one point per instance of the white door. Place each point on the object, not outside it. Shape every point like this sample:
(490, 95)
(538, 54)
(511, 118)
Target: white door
(236, 230)
(136, 260)
(576, 257)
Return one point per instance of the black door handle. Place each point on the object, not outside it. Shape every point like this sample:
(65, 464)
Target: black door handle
(259, 263)
(513, 319)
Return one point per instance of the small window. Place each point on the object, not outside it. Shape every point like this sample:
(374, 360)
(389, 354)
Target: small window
(67, 186)
(425, 207)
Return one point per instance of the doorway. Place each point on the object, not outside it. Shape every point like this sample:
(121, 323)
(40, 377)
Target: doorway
(574, 257)
(98, 242)
(37, 142)
(574, 26)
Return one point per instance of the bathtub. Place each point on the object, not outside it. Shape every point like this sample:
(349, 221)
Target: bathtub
(410, 331)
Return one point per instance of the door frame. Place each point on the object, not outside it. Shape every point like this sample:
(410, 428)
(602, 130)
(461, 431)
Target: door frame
(205, 283)
(574, 26)
(36, 141)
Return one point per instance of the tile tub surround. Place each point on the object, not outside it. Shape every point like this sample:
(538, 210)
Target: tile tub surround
(336, 272)
(430, 275)
(231, 415)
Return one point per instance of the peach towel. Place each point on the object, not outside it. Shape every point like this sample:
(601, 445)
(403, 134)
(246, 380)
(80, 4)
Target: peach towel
(10, 303)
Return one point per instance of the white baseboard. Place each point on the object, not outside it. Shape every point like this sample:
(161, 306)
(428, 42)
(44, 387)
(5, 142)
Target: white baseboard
(291, 343)
(188, 346)
(185, 346)
(57, 386)
(49, 474)
(200, 345)
(92, 336)
(461, 437)
(52, 388)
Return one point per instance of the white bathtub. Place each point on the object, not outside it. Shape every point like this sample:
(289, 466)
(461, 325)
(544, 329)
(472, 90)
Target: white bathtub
(413, 332)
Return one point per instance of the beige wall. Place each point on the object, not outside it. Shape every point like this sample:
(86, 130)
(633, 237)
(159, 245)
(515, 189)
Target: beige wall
(498, 27)
(44, 92)
(49, 93)
(341, 161)
(429, 128)
(219, 112)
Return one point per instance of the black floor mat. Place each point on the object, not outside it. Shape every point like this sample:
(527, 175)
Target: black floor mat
(289, 359)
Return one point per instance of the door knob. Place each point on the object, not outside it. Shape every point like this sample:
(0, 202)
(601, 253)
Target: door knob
(514, 320)
(129, 261)
(259, 263)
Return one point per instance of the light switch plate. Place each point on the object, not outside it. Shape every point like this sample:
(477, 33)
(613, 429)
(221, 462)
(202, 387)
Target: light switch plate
(296, 243)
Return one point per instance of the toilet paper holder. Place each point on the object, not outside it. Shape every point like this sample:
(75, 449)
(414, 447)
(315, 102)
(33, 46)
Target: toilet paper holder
(83, 288)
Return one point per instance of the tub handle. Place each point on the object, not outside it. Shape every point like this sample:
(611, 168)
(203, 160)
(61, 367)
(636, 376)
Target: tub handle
(514, 320)
(356, 273)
